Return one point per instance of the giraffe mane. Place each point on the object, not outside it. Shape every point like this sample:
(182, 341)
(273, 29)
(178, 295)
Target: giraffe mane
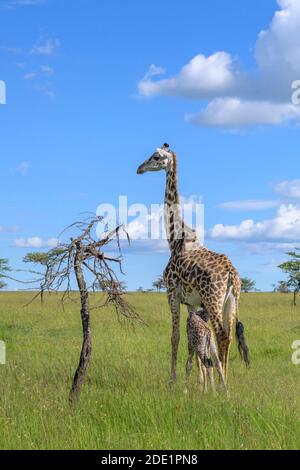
(175, 173)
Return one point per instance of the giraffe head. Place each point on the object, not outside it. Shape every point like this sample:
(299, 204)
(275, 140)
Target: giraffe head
(158, 161)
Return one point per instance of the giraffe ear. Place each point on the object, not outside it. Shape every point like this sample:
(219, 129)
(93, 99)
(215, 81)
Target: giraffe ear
(163, 152)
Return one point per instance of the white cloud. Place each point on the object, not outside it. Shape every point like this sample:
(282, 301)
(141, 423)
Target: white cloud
(290, 189)
(283, 228)
(48, 48)
(241, 99)
(35, 242)
(234, 113)
(263, 248)
(153, 71)
(248, 205)
(201, 77)
(277, 50)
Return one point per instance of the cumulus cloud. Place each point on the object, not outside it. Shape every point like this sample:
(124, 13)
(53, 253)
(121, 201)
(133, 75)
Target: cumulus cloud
(248, 205)
(283, 228)
(277, 51)
(241, 99)
(290, 189)
(201, 77)
(234, 113)
(35, 242)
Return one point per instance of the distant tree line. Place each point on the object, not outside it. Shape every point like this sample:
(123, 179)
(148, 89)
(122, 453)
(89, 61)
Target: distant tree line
(247, 284)
(292, 269)
(4, 269)
(159, 284)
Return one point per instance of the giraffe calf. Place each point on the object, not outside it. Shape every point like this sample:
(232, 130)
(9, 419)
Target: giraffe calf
(202, 344)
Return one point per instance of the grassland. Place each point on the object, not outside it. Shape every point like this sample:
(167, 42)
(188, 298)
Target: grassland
(126, 403)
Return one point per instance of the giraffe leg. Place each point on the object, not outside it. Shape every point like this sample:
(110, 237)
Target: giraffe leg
(188, 370)
(175, 310)
(217, 364)
(201, 364)
(210, 373)
(201, 371)
(221, 336)
(205, 383)
(221, 375)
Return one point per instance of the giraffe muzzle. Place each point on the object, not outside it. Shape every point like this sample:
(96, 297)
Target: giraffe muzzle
(140, 170)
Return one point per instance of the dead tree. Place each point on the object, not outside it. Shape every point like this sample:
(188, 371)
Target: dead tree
(84, 254)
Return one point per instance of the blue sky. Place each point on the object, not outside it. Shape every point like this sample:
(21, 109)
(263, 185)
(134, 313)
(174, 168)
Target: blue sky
(85, 108)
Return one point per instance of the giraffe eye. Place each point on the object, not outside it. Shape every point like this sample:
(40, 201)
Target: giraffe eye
(156, 159)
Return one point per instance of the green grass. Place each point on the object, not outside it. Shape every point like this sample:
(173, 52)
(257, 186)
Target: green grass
(126, 403)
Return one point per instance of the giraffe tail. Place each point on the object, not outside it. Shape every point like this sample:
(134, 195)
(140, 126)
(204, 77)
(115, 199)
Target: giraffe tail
(242, 345)
(230, 311)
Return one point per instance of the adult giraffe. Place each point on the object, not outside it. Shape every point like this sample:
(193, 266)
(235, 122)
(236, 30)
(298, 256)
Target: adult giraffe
(196, 276)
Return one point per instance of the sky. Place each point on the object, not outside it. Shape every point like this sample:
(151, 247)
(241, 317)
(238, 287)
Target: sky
(94, 87)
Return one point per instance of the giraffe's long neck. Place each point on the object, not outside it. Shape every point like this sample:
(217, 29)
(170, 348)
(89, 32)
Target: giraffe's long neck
(180, 236)
(173, 221)
(171, 194)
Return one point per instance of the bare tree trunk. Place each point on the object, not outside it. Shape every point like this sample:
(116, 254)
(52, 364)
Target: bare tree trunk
(42, 295)
(295, 294)
(86, 328)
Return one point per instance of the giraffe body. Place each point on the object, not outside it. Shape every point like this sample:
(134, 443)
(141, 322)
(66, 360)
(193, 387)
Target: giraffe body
(195, 276)
(202, 278)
